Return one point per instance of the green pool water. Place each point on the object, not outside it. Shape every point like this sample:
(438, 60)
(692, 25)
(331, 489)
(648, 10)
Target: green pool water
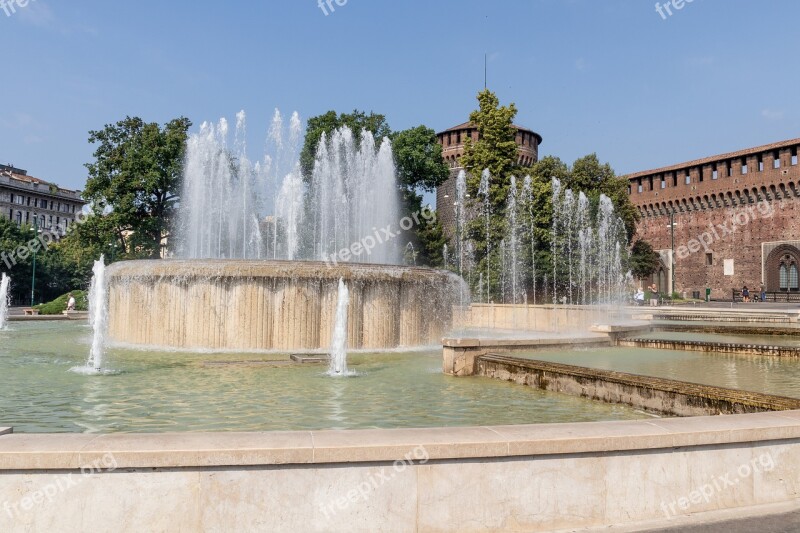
(152, 391)
(766, 374)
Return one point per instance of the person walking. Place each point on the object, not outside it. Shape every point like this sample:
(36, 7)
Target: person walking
(71, 303)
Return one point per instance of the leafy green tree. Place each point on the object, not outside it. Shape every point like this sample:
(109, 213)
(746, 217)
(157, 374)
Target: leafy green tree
(419, 165)
(644, 260)
(135, 180)
(495, 150)
(53, 275)
(327, 123)
(595, 178)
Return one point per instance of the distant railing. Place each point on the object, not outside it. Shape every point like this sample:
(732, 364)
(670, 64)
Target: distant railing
(777, 297)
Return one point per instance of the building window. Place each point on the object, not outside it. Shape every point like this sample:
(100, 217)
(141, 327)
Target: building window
(794, 156)
(709, 259)
(688, 179)
(675, 180)
(728, 169)
(744, 166)
(19, 218)
(760, 163)
(663, 183)
(776, 160)
(714, 173)
(787, 274)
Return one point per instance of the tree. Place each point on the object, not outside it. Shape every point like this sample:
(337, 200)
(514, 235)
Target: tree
(419, 167)
(54, 276)
(644, 260)
(418, 156)
(495, 150)
(595, 178)
(327, 123)
(135, 180)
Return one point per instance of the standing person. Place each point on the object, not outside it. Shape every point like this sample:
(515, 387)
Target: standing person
(653, 295)
(763, 293)
(71, 303)
(639, 297)
(745, 294)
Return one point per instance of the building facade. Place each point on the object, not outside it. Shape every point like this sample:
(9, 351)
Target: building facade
(28, 200)
(452, 141)
(729, 221)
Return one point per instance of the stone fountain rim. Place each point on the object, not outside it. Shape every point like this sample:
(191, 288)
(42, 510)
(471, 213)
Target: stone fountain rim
(269, 268)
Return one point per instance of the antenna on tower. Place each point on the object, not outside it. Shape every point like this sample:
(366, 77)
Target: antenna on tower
(485, 69)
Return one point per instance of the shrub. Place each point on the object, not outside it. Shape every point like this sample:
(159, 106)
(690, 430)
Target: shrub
(59, 305)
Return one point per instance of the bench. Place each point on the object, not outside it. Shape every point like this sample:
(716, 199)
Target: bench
(30, 311)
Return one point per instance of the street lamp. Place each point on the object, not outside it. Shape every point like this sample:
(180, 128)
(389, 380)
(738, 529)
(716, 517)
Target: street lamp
(33, 274)
(672, 255)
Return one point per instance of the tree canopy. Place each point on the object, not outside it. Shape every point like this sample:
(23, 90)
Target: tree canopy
(135, 180)
(328, 122)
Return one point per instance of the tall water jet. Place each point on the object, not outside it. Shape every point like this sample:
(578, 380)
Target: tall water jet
(350, 197)
(338, 362)
(483, 191)
(98, 314)
(5, 283)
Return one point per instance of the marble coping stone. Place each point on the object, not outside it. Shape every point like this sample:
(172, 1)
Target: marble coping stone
(71, 451)
(458, 342)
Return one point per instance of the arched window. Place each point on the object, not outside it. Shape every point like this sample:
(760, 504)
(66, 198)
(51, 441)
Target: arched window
(793, 277)
(784, 277)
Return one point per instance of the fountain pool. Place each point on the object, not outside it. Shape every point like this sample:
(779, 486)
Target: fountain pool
(167, 391)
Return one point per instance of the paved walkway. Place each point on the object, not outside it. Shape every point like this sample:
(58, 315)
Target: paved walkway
(780, 523)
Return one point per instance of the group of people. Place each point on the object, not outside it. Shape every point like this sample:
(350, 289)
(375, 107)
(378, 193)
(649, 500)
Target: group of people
(654, 296)
(746, 297)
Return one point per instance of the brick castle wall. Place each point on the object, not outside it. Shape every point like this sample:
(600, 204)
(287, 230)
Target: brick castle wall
(731, 208)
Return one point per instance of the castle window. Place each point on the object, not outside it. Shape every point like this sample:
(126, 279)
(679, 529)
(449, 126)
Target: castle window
(700, 173)
(728, 168)
(744, 165)
(688, 178)
(650, 183)
(639, 188)
(714, 173)
(674, 180)
(794, 156)
(663, 182)
(760, 163)
(709, 259)
(776, 160)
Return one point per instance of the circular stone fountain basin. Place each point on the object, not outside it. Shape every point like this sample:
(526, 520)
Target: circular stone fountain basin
(276, 305)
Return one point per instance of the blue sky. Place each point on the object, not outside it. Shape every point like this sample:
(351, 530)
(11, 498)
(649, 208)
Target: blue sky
(605, 76)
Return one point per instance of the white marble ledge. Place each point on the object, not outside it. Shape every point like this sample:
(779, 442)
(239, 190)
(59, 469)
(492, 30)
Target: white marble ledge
(71, 451)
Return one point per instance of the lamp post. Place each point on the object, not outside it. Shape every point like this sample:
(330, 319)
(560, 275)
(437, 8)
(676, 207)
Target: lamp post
(672, 255)
(33, 274)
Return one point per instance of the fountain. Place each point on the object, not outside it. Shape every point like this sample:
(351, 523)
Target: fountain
(5, 283)
(98, 314)
(339, 223)
(338, 364)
